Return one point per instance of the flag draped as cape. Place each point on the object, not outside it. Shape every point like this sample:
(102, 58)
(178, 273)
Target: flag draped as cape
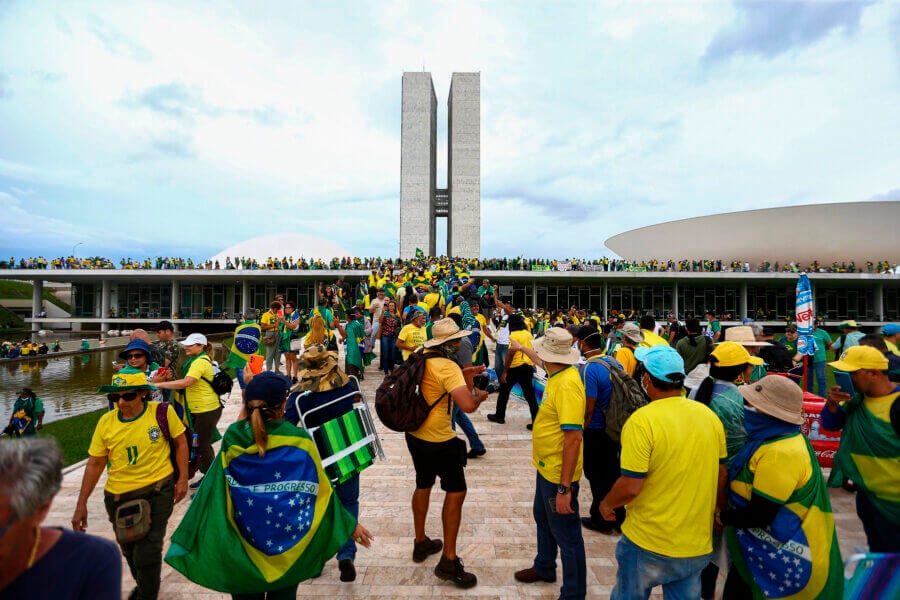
(261, 524)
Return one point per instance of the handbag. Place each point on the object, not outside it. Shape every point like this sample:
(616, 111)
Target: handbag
(132, 522)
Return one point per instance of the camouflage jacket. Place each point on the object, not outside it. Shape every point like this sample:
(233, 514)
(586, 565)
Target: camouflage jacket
(172, 352)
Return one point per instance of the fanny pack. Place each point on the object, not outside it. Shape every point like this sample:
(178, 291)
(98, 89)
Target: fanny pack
(132, 522)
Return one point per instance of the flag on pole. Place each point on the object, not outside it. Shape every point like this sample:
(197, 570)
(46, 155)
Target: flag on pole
(260, 524)
(805, 315)
(419, 253)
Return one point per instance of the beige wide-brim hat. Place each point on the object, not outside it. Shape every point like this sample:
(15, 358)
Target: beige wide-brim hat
(776, 396)
(556, 347)
(743, 335)
(633, 333)
(445, 330)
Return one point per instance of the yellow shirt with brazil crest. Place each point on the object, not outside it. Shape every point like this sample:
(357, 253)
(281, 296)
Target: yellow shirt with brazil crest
(136, 449)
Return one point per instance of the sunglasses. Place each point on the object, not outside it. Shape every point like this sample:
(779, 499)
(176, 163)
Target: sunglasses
(127, 396)
(7, 525)
(135, 355)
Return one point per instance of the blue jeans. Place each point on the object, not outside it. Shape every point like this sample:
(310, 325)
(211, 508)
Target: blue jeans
(641, 570)
(465, 423)
(500, 351)
(559, 531)
(388, 353)
(348, 494)
(816, 369)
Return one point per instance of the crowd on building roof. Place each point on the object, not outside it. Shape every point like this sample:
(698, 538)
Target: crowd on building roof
(348, 263)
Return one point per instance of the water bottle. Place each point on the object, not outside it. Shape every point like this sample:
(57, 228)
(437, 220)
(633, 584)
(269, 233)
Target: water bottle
(195, 447)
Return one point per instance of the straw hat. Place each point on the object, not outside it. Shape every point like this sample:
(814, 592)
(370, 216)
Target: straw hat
(743, 335)
(776, 396)
(633, 333)
(556, 347)
(321, 372)
(444, 331)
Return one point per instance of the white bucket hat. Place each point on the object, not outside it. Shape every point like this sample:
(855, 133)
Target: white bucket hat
(556, 347)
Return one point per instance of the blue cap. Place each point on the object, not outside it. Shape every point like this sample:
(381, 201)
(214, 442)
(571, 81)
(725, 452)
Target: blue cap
(269, 387)
(890, 329)
(663, 362)
(137, 344)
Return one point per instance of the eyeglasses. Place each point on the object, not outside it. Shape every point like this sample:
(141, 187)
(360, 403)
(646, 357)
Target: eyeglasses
(127, 396)
(135, 355)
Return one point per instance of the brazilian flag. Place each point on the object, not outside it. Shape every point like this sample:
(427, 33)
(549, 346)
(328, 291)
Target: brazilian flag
(797, 556)
(246, 340)
(419, 253)
(261, 524)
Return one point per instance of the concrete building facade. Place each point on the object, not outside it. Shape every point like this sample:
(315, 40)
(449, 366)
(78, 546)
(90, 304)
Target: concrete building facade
(421, 201)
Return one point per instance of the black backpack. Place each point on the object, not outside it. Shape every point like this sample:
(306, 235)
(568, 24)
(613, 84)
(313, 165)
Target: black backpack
(221, 382)
(399, 401)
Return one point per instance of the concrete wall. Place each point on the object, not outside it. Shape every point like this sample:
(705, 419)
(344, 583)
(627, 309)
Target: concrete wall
(844, 231)
(418, 173)
(464, 165)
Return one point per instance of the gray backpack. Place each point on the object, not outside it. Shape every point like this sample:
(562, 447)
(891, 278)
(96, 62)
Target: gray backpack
(625, 398)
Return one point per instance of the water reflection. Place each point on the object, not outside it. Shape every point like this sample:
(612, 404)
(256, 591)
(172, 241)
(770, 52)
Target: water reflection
(67, 385)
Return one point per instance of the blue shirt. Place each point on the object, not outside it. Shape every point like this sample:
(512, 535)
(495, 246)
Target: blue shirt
(598, 385)
(78, 566)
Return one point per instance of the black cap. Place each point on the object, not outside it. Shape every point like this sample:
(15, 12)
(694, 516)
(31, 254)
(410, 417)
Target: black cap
(165, 326)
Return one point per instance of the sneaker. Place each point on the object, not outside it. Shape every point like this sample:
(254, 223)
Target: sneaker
(348, 571)
(425, 548)
(532, 576)
(196, 484)
(473, 453)
(453, 570)
(495, 419)
(605, 529)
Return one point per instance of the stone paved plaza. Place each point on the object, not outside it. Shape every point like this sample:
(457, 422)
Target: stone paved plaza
(496, 538)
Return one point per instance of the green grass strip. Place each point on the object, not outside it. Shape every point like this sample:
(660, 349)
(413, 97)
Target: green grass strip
(73, 435)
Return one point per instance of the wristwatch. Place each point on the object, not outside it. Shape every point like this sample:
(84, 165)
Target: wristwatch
(563, 489)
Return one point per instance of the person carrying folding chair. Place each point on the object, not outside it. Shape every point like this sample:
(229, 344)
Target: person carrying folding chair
(323, 402)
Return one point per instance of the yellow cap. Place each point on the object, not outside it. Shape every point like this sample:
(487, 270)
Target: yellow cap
(732, 354)
(861, 357)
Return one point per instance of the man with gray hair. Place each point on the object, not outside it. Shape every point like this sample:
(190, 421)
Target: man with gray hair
(46, 562)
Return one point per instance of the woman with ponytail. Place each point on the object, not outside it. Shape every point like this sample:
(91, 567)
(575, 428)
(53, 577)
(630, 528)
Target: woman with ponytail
(266, 517)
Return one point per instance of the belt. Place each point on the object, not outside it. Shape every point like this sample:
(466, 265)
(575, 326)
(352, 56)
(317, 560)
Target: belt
(139, 493)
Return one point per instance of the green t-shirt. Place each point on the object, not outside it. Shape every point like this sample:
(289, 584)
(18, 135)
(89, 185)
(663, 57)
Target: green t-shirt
(823, 338)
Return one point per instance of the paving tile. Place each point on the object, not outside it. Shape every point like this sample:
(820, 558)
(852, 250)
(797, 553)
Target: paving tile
(496, 537)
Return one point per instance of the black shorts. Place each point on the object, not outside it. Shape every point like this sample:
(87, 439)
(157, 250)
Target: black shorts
(438, 459)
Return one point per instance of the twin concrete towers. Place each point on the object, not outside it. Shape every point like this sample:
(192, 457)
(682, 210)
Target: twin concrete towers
(421, 201)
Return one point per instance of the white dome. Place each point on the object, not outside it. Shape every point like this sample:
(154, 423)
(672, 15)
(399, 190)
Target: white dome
(278, 245)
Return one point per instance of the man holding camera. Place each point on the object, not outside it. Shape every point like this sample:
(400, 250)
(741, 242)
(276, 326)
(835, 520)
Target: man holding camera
(437, 452)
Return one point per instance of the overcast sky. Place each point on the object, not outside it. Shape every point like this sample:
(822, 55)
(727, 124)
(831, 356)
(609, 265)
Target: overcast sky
(133, 129)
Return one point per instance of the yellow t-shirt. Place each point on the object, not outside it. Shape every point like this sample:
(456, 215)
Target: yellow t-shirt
(675, 445)
(651, 339)
(892, 347)
(200, 396)
(412, 336)
(779, 469)
(520, 358)
(454, 311)
(626, 358)
(137, 451)
(562, 409)
(434, 299)
(442, 375)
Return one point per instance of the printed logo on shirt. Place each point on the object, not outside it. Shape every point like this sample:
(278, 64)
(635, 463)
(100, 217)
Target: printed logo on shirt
(155, 433)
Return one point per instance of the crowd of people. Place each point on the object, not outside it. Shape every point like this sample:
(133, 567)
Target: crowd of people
(688, 435)
(349, 263)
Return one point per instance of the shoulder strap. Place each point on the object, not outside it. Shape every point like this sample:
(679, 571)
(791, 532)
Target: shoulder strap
(162, 419)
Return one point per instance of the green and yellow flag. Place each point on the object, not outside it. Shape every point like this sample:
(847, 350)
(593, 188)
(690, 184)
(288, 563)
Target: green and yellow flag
(796, 557)
(419, 253)
(261, 524)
